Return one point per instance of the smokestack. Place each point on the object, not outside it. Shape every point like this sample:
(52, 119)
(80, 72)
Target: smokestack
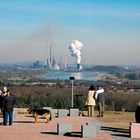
(65, 63)
(50, 54)
(75, 49)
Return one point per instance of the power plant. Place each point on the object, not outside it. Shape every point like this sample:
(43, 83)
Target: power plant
(51, 64)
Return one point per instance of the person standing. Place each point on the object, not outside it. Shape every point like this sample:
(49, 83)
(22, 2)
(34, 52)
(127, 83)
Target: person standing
(4, 91)
(2, 95)
(90, 101)
(137, 113)
(100, 99)
(1, 100)
(8, 105)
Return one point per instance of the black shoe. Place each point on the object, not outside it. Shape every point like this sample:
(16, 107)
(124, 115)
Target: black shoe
(102, 115)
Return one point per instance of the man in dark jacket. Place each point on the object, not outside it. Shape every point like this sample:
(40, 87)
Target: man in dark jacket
(1, 100)
(100, 99)
(8, 105)
(137, 113)
(3, 93)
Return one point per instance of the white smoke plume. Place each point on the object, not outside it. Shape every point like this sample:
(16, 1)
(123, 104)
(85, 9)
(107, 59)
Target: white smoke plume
(75, 49)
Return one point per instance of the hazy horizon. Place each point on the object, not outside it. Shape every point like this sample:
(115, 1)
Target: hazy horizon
(109, 30)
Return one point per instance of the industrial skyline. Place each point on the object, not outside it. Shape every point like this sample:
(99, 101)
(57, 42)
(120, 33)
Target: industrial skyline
(51, 62)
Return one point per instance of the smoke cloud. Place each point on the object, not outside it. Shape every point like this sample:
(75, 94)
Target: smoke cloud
(75, 49)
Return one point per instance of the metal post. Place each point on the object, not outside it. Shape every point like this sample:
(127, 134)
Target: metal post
(72, 95)
(72, 81)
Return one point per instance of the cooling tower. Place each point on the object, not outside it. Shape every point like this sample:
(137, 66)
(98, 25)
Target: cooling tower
(78, 66)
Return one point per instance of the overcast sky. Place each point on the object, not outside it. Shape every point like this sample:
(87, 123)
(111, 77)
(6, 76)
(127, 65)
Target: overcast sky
(109, 30)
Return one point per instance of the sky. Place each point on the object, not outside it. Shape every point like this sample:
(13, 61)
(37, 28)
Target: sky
(108, 29)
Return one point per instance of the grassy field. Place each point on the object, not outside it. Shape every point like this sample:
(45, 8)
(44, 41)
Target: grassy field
(117, 119)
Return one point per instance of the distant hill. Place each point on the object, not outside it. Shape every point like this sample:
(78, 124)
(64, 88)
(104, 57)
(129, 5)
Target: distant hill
(109, 69)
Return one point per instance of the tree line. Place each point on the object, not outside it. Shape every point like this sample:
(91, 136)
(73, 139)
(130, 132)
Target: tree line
(60, 97)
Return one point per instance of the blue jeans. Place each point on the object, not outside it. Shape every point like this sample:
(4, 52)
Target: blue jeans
(5, 117)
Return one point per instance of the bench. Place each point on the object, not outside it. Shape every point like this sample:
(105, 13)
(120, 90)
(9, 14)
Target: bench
(63, 128)
(134, 130)
(52, 111)
(63, 112)
(15, 112)
(74, 112)
(90, 129)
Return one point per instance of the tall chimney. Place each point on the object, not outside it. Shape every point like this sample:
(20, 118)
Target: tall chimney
(65, 62)
(50, 54)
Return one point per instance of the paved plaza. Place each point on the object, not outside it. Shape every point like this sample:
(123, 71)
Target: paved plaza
(24, 128)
